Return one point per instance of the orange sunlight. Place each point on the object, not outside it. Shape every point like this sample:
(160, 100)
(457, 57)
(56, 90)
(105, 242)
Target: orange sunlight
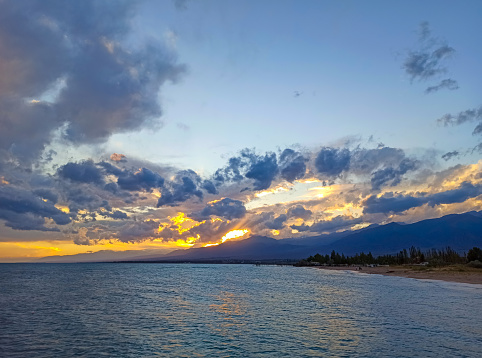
(233, 234)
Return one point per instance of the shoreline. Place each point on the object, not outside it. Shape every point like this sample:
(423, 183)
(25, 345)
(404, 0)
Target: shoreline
(459, 274)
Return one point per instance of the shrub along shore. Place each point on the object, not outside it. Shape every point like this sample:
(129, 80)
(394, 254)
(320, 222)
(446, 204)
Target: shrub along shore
(446, 264)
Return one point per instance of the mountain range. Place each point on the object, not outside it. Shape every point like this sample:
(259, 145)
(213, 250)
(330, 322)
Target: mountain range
(459, 231)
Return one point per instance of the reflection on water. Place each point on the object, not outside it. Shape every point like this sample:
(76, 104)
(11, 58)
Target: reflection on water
(142, 310)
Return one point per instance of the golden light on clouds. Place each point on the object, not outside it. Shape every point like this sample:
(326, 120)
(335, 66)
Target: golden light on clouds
(319, 191)
(233, 234)
(182, 222)
(63, 208)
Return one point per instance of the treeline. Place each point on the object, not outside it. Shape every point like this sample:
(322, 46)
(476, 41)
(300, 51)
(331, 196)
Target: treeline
(413, 255)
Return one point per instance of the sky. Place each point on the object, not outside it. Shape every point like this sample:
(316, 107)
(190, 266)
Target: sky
(150, 126)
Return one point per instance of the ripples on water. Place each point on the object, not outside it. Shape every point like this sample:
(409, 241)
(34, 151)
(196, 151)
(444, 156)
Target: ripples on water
(156, 310)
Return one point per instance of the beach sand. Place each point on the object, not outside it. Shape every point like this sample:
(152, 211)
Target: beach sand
(460, 273)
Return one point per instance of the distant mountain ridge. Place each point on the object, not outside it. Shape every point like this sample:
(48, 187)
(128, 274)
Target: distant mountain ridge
(459, 231)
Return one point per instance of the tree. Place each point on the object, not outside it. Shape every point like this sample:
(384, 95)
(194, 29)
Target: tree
(474, 253)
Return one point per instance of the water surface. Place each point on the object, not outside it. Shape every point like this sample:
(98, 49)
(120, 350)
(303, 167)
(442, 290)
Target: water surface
(162, 310)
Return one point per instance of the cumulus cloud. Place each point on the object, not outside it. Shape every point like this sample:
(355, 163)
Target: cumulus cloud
(262, 169)
(23, 210)
(277, 223)
(184, 186)
(299, 212)
(226, 208)
(143, 179)
(292, 165)
(83, 172)
(116, 157)
(332, 161)
(391, 174)
(427, 62)
(116, 214)
(391, 203)
(76, 50)
(336, 223)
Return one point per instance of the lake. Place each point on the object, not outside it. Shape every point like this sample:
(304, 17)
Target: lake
(188, 310)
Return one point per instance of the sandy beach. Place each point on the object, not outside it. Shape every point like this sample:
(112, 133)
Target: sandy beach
(460, 274)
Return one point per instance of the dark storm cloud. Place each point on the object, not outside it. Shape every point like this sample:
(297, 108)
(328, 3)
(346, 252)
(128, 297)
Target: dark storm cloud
(143, 179)
(278, 223)
(390, 203)
(83, 172)
(83, 197)
(137, 230)
(24, 127)
(332, 161)
(46, 194)
(185, 185)
(116, 214)
(292, 165)
(209, 187)
(448, 83)
(322, 226)
(75, 47)
(391, 174)
(260, 168)
(111, 187)
(299, 212)
(465, 191)
(226, 208)
(427, 62)
(23, 210)
(111, 169)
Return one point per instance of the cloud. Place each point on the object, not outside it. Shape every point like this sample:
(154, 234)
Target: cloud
(470, 115)
(116, 214)
(450, 155)
(390, 203)
(23, 210)
(299, 212)
(226, 208)
(143, 179)
(209, 186)
(426, 62)
(83, 172)
(448, 83)
(186, 184)
(261, 168)
(393, 175)
(328, 225)
(72, 59)
(46, 194)
(292, 165)
(332, 162)
(115, 157)
(277, 223)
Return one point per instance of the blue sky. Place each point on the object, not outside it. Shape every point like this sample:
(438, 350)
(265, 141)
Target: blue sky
(278, 118)
(247, 59)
